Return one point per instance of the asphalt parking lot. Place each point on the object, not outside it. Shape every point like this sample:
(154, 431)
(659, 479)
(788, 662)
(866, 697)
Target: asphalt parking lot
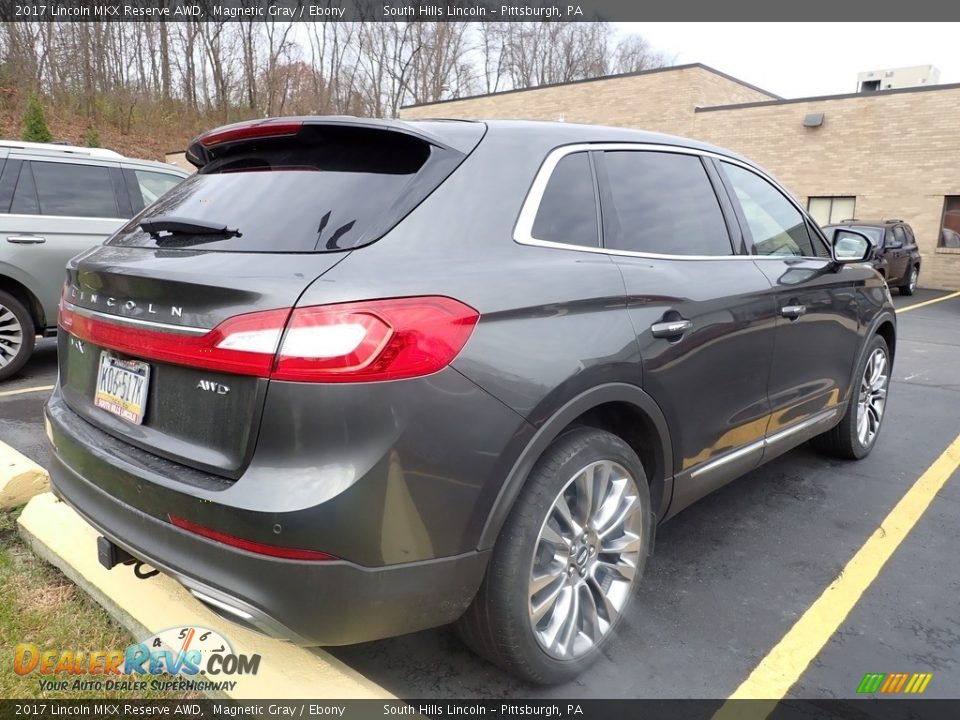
(732, 574)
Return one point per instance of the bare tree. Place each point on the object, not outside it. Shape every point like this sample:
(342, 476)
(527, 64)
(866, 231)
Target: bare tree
(491, 47)
(196, 74)
(215, 39)
(439, 67)
(249, 35)
(634, 53)
(281, 54)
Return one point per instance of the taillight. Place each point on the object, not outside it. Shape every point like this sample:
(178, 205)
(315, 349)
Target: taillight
(376, 340)
(200, 351)
(249, 545)
(250, 130)
(350, 342)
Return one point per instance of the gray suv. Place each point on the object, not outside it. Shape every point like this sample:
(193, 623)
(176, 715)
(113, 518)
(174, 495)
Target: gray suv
(55, 202)
(359, 378)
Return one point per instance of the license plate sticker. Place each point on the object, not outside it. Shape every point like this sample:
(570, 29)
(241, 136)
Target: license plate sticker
(122, 387)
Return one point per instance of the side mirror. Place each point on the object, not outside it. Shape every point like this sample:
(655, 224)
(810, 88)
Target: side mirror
(850, 246)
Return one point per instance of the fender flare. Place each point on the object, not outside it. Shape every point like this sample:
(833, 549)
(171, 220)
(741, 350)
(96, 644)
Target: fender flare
(554, 426)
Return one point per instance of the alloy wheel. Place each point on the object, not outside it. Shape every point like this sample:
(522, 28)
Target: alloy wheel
(585, 560)
(914, 276)
(11, 336)
(873, 397)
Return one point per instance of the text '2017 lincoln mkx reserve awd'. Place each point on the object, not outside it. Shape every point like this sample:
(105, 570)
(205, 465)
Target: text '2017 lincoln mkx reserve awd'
(357, 378)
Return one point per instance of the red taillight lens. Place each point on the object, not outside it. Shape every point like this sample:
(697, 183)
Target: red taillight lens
(250, 545)
(350, 342)
(201, 351)
(250, 131)
(377, 340)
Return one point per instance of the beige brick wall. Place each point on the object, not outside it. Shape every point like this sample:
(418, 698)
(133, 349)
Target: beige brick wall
(661, 101)
(899, 154)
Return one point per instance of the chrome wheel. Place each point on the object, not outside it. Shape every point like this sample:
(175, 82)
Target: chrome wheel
(914, 276)
(873, 397)
(585, 560)
(11, 336)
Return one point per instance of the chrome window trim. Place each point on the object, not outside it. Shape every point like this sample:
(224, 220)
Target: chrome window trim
(89, 160)
(63, 217)
(523, 229)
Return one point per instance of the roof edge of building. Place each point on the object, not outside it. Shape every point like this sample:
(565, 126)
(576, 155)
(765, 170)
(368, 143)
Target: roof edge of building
(617, 76)
(821, 98)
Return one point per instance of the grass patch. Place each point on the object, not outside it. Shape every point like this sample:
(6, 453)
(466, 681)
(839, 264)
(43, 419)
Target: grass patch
(39, 605)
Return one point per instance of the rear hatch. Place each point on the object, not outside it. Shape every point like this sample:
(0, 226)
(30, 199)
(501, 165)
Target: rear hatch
(169, 331)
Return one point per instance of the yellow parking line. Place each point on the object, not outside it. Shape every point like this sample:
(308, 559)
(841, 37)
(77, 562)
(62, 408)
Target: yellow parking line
(23, 391)
(908, 308)
(786, 662)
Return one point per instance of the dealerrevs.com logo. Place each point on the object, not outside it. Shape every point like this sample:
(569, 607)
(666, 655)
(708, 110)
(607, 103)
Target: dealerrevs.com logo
(177, 659)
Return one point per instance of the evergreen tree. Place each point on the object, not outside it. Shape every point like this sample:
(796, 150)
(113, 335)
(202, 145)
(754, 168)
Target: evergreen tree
(35, 127)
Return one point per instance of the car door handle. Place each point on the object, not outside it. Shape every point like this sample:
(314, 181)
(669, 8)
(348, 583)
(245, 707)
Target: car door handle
(670, 328)
(26, 239)
(793, 311)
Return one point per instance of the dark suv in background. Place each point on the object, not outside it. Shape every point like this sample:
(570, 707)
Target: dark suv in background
(358, 378)
(896, 255)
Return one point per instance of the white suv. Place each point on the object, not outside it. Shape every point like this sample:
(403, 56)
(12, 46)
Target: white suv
(55, 202)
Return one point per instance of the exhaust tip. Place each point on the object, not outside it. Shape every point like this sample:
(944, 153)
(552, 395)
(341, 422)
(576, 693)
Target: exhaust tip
(221, 605)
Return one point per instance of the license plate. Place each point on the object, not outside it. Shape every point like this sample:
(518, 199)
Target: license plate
(122, 387)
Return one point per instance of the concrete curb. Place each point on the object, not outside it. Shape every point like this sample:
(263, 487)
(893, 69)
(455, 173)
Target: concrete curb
(61, 537)
(20, 478)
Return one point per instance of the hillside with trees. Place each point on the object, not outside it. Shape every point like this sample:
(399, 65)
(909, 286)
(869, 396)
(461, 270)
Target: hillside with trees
(146, 88)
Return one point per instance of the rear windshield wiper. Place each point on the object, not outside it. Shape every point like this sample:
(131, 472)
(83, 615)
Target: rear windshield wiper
(177, 225)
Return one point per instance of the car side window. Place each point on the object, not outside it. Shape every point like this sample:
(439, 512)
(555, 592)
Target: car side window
(25, 194)
(152, 185)
(775, 224)
(74, 189)
(899, 236)
(568, 208)
(663, 203)
(908, 231)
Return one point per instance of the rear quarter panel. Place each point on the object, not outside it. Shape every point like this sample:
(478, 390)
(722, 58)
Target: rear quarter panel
(553, 322)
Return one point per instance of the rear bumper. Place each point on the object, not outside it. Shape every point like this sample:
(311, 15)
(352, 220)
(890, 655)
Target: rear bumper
(308, 603)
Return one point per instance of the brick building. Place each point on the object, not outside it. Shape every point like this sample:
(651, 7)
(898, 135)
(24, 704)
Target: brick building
(889, 153)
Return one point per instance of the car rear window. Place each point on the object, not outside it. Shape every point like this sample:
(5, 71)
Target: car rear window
(329, 188)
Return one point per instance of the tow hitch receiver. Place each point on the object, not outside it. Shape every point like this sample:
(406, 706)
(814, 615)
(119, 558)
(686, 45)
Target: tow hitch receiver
(110, 554)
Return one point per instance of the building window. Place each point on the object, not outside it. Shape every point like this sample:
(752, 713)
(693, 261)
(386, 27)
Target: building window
(950, 226)
(828, 210)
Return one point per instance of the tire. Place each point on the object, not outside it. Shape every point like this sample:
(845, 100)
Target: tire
(909, 286)
(17, 335)
(499, 624)
(846, 440)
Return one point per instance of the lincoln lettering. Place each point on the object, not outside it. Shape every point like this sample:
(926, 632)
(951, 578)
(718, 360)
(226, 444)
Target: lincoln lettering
(131, 307)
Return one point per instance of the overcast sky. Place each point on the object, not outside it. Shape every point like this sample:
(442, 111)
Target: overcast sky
(803, 59)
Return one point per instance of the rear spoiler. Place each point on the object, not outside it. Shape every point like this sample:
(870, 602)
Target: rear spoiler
(200, 150)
